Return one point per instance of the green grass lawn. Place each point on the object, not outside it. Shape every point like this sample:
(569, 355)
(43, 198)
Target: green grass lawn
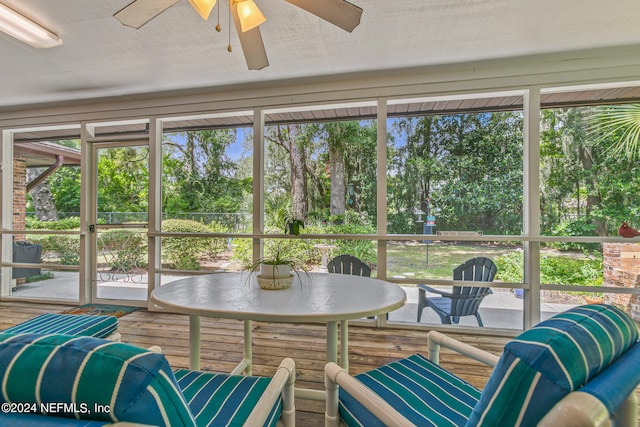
(438, 259)
(413, 260)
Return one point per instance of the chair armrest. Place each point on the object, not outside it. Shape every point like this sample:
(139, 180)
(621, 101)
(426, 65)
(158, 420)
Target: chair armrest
(577, 409)
(335, 376)
(436, 339)
(115, 336)
(155, 349)
(435, 291)
(282, 383)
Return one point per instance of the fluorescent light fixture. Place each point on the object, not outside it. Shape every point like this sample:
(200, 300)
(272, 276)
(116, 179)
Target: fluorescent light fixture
(24, 29)
(249, 14)
(203, 7)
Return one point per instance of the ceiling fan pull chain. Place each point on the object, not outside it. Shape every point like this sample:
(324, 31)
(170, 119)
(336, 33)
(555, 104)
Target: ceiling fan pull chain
(218, 28)
(229, 25)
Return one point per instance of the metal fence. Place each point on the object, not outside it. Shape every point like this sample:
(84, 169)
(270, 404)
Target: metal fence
(236, 222)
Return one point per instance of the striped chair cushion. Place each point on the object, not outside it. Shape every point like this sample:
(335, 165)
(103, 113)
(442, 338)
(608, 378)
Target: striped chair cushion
(33, 420)
(223, 400)
(548, 361)
(67, 324)
(422, 391)
(614, 385)
(137, 385)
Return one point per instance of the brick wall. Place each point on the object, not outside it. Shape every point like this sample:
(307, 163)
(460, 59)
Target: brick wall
(622, 269)
(19, 196)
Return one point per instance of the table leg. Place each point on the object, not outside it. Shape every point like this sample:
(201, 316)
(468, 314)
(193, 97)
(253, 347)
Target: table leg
(344, 345)
(248, 352)
(332, 341)
(245, 366)
(194, 340)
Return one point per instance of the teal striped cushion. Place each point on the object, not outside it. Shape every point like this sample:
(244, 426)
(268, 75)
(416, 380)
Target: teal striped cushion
(67, 324)
(223, 400)
(614, 385)
(422, 391)
(545, 363)
(137, 385)
(33, 420)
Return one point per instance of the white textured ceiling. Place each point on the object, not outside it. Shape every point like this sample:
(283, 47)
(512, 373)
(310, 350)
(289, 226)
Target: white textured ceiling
(178, 50)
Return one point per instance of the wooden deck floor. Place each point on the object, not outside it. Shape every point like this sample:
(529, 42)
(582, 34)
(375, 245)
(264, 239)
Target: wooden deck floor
(222, 347)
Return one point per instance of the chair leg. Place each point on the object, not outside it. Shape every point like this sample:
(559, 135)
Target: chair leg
(479, 319)
(444, 319)
(422, 302)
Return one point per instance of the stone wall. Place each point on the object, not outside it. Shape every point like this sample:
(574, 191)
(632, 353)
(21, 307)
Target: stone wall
(622, 269)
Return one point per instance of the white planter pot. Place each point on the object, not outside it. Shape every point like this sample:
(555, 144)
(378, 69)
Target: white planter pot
(278, 271)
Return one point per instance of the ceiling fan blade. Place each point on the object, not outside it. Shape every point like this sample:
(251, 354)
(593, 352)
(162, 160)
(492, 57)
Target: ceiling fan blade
(252, 45)
(139, 12)
(338, 12)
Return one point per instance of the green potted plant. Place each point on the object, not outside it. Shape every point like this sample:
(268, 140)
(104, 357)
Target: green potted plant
(274, 271)
(293, 225)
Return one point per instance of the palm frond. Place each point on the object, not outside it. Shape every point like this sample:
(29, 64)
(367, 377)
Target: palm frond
(618, 122)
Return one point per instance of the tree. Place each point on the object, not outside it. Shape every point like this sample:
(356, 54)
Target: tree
(65, 187)
(123, 184)
(468, 165)
(293, 140)
(198, 175)
(588, 185)
(571, 173)
(42, 197)
(351, 147)
(60, 192)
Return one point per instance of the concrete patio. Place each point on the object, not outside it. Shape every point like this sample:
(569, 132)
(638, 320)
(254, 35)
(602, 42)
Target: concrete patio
(500, 310)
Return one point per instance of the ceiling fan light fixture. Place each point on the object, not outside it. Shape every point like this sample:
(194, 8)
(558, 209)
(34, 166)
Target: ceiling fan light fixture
(249, 15)
(24, 29)
(203, 7)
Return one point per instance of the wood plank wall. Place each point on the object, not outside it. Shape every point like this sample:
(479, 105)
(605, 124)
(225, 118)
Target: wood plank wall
(222, 346)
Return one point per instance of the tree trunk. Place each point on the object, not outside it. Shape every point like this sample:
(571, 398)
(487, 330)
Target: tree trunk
(593, 199)
(190, 155)
(338, 182)
(42, 198)
(299, 204)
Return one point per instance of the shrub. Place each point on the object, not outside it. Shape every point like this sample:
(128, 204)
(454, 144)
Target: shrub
(553, 269)
(302, 251)
(578, 227)
(362, 249)
(403, 223)
(65, 248)
(127, 248)
(510, 267)
(305, 249)
(71, 223)
(216, 245)
(242, 251)
(184, 252)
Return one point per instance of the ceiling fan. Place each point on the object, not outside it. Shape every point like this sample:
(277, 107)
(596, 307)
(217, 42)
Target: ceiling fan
(247, 19)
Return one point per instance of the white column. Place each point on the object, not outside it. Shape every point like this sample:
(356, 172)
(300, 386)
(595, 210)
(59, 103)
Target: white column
(258, 180)
(6, 209)
(531, 175)
(88, 197)
(155, 203)
(381, 196)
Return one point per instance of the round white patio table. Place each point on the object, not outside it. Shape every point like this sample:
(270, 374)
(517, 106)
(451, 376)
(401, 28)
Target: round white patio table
(313, 298)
